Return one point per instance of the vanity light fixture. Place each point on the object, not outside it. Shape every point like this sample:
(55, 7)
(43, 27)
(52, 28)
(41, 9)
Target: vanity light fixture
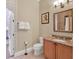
(56, 3)
(60, 3)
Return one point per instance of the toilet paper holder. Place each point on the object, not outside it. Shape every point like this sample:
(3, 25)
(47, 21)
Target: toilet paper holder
(25, 43)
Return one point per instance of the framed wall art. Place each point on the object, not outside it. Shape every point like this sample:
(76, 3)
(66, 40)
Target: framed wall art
(45, 18)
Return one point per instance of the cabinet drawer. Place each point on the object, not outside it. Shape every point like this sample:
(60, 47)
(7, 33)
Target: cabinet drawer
(63, 52)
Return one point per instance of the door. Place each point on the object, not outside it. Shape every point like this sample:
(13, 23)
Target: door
(49, 49)
(10, 24)
(12, 37)
(63, 52)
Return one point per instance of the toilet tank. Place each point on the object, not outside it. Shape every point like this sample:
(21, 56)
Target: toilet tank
(41, 40)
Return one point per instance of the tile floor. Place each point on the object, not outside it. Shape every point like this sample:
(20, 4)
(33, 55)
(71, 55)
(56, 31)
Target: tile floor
(29, 56)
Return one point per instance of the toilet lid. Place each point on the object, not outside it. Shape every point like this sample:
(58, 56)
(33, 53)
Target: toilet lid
(38, 45)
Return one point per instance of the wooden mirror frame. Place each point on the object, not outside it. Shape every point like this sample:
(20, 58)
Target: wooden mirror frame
(64, 22)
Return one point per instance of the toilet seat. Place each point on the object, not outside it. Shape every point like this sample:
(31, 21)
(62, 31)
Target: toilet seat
(38, 45)
(38, 49)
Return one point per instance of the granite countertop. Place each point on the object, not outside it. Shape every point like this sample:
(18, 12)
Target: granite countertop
(61, 41)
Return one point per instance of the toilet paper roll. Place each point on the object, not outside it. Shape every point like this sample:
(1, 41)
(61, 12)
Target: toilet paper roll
(25, 42)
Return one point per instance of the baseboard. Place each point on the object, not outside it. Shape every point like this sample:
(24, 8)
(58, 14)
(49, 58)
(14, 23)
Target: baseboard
(23, 51)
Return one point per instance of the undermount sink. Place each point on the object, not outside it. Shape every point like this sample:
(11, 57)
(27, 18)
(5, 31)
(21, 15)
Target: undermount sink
(59, 40)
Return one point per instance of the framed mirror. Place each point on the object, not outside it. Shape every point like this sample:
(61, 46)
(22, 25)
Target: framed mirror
(63, 21)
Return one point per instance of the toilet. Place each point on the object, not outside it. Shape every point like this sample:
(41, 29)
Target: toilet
(38, 47)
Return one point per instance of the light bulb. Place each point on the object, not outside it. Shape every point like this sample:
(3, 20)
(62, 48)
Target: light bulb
(56, 3)
(61, 1)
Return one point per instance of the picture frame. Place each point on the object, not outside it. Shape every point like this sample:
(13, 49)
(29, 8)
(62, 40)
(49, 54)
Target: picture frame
(45, 18)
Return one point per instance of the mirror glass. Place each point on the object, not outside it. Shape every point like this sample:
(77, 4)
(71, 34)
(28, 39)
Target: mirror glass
(63, 21)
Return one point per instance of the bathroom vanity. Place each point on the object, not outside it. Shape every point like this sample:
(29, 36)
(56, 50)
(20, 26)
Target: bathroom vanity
(57, 49)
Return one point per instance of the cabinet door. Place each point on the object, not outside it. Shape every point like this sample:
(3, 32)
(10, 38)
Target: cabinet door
(49, 49)
(63, 52)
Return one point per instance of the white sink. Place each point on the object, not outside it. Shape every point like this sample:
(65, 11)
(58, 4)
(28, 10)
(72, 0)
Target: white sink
(58, 40)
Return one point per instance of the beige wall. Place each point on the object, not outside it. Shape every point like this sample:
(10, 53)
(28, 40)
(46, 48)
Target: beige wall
(47, 29)
(28, 10)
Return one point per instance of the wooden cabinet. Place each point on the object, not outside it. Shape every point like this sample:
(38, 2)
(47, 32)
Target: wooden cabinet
(57, 51)
(63, 51)
(49, 50)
